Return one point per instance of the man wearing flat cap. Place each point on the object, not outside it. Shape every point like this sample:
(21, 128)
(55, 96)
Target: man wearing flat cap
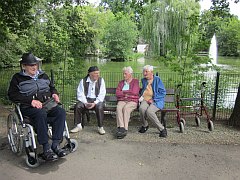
(91, 92)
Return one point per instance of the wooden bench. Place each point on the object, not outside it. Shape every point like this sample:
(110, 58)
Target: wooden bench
(111, 104)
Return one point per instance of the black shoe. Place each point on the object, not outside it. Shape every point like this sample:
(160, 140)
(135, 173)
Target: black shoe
(143, 129)
(121, 132)
(163, 133)
(49, 155)
(59, 152)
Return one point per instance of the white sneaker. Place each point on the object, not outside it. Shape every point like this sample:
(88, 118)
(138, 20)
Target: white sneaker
(101, 130)
(76, 129)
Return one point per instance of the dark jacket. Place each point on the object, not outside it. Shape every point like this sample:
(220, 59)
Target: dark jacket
(23, 88)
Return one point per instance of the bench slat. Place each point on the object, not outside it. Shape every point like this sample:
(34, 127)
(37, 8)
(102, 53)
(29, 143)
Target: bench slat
(170, 92)
(111, 91)
(110, 98)
(169, 99)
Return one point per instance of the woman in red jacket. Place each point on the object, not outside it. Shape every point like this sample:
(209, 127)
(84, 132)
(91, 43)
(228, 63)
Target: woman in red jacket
(127, 94)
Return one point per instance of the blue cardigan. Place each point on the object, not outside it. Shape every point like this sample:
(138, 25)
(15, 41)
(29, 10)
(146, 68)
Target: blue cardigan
(159, 91)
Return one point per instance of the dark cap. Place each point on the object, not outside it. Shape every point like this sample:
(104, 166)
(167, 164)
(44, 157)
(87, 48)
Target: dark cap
(93, 68)
(28, 58)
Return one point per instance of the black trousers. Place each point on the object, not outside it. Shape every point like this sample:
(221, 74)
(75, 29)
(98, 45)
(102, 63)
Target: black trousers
(80, 109)
(40, 119)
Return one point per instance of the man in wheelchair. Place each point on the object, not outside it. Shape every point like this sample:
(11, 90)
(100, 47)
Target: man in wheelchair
(31, 87)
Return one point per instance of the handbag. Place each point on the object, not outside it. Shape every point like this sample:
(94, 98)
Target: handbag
(49, 104)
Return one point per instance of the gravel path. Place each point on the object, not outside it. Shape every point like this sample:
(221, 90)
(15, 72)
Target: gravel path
(194, 154)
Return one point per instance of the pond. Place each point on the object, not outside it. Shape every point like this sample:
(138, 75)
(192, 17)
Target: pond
(225, 64)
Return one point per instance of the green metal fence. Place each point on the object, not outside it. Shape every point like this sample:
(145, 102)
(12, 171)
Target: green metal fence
(223, 99)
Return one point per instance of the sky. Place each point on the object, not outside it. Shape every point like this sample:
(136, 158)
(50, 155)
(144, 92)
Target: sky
(205, 5)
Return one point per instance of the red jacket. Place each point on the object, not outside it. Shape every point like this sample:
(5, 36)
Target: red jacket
(128, 95)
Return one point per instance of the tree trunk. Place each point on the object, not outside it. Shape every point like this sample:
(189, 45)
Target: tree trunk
(234, 119)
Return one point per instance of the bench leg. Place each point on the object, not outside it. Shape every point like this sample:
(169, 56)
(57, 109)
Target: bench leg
(163, 118)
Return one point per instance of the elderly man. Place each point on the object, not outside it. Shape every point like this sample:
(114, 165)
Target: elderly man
(91, 92)
(152, 100)
(31, 87)
(127, 94)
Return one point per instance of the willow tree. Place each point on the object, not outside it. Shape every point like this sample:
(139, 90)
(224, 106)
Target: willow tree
(170, 28)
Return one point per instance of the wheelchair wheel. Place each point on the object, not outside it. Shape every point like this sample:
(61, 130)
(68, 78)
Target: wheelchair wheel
(15, 133)
(32, 161)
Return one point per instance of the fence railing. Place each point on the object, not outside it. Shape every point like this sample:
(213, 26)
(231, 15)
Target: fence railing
(224, 99)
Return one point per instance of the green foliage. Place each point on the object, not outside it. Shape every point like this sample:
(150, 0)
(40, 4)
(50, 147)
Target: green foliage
(229, 38)
(220, 8)
(134, 7)
(16, 16)
(120, 37)
(62, 33)
(15, 19)
(212, 21)
(170, 27)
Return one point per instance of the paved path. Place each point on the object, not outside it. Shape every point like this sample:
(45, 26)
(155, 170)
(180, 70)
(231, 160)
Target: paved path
(106, 158)
(195, 154)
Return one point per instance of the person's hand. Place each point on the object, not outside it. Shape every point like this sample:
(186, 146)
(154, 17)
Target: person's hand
(56, 98)
(90, 105)
(150, 101)
(141, 99)
(36, 104)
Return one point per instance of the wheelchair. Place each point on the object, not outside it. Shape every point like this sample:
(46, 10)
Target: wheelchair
(21, 135)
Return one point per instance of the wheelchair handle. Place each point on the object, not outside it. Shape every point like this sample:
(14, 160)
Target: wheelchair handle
(203, 84)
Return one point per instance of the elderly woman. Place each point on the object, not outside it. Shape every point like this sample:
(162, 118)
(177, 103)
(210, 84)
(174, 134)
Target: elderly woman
(127, 94)
(152, 100)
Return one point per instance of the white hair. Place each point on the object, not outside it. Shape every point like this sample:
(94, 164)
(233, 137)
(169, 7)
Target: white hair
(148, 67)
(128, 69)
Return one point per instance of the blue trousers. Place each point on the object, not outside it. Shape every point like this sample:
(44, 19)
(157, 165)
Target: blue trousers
(40, 118)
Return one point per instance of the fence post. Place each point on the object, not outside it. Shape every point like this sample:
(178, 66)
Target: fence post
(215, 97)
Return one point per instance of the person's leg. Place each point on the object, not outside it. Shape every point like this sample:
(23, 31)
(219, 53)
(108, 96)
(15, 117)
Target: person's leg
(78, 109)
(99, 109)
(38, 119)
(142, 110)
(127, 109)
(58, 117)
(120, 106)
(151, 115)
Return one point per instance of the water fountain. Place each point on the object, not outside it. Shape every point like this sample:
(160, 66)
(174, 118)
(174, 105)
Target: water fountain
(212, 54)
